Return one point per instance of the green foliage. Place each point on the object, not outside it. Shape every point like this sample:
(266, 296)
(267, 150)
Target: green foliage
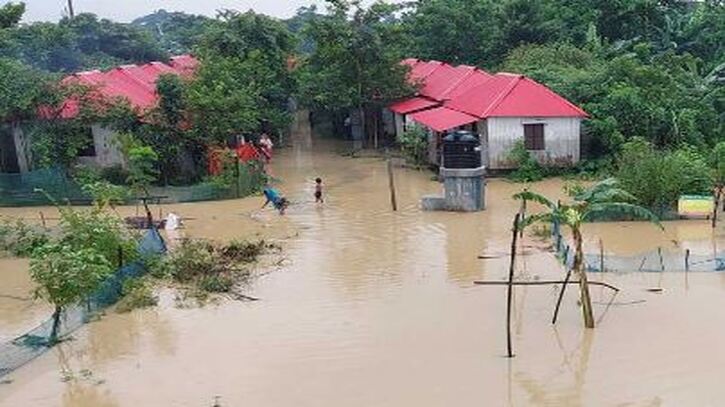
(658, 178)
(248, 55)
(102, 192)
(527, 168)
(23, 89)
(717, 162)
(20, 238)
(98, 230)
(176, 32)
(137, 293)
(66, 274)
(355, 62)
(79, 43)
(10, 14)
(414, 145)
(207, 267)
(223, 99)
(141, 168)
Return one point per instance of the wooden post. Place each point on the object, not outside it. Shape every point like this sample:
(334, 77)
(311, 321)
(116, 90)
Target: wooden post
(71, 10)
(391, 185)
(601, 256)
(120, 256)
(662, 263)
(687, 260)
(42, 219)
(509, 295)
(236, 178)
(718, 194)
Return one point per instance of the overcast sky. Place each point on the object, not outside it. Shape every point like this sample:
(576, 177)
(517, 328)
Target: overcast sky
(127, 10)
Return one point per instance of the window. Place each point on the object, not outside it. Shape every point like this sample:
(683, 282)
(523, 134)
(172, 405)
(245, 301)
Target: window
(534, 137)
(89, 147)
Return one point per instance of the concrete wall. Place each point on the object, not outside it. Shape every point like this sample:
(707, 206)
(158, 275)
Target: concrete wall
(561, 140)
(399, 124)
(22, 148)
(108, 152)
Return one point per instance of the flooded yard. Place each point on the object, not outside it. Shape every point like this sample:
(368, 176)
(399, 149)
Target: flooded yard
(376, 308)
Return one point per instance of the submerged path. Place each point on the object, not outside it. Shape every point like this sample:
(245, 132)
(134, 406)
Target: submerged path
(375, 308)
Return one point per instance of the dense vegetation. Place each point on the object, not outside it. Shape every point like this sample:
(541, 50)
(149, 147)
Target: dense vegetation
(647, 71)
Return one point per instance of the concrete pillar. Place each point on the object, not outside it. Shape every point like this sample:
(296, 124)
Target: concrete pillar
(464, 191)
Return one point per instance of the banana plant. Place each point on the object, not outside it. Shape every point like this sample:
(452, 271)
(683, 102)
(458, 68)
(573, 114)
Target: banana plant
(603, 200)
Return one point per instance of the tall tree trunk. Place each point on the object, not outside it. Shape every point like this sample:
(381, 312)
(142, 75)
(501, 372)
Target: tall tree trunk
(586, 299)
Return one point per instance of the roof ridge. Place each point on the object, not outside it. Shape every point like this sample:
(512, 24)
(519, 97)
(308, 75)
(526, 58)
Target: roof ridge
(546, 89)
(503, 95)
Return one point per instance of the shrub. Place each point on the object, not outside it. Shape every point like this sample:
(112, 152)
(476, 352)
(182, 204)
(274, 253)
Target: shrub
(137, 293)
(527, 168)
(658, 178)
(21, 239)
(414, 145)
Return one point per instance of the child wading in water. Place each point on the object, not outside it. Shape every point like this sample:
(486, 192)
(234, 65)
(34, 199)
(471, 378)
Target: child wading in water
(318, 191)
(272, 195)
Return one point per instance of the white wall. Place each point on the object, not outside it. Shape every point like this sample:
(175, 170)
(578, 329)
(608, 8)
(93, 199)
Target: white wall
(561, 140)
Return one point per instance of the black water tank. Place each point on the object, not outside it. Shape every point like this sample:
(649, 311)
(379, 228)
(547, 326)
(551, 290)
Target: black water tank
(461, 149)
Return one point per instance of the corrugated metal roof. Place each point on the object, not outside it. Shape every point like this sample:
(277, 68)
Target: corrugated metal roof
(509, 95)
(137, 84)
(442, 119)
(412, 105)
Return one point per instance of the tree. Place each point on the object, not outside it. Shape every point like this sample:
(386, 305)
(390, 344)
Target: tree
(456, 31)
(262, 47)
(602, 200)
(176, 32)
(23, 90)
(223, 98)
(66, 275)
(142, 168)
(355, 63)
(10, 14)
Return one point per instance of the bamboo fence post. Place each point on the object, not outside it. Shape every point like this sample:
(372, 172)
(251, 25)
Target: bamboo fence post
(662, 263)
(42, 219)
(687, 260)
(509, 295)
(391, 185)
(601, 256)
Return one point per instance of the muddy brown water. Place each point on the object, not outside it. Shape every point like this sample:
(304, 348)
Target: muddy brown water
(375, 308)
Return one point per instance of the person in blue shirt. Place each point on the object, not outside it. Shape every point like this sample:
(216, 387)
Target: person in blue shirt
(272, 195)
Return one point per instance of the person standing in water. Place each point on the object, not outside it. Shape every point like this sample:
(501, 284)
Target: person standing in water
(318, 191)
(272, 195)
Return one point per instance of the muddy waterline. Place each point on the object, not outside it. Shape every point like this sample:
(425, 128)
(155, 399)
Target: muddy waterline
(374, 308)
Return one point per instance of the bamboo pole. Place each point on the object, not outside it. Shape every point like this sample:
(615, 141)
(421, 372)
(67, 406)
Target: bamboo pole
(715, 207)
(601, 256)
(687, 260)
(509, 294)
(547, 282)
(391, 185)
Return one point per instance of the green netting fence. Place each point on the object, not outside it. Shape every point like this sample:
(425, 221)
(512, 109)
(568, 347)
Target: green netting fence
(22, 189)
(23, 349)
(657, 260)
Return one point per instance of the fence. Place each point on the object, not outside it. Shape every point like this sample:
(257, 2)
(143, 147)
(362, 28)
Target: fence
(34, 343)
(21, 189)
(657, 260)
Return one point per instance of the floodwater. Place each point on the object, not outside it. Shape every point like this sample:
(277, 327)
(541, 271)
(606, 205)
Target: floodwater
(376, 308)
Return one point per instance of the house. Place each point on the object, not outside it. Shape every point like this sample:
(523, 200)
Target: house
(134, 83)
(503, 109)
